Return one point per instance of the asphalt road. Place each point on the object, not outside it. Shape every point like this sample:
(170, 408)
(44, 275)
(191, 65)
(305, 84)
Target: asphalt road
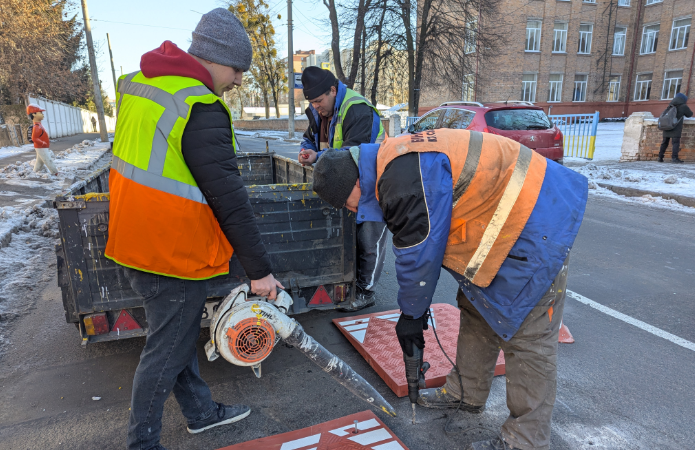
(619, 387)
(284, 148)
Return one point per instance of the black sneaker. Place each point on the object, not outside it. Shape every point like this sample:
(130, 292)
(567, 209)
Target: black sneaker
(661, 159)
(224, 415)
(439, 398)
(677, 161)
(492, 444)
(363, 299)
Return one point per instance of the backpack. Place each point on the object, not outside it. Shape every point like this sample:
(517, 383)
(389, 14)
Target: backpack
(30, 128)
(667, 120)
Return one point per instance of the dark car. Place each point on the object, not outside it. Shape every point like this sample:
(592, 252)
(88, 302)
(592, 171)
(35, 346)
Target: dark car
(520, 121)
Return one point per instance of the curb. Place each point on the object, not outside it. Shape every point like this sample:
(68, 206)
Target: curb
(632, 192)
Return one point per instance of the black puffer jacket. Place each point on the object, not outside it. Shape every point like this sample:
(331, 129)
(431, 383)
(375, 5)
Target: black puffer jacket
(209, 154)
(682, 110)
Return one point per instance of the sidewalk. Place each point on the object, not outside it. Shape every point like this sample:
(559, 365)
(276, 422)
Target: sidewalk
(10, 155)
(23, 193)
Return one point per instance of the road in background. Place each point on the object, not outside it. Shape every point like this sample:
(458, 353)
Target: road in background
(281, 147)
(619, 387)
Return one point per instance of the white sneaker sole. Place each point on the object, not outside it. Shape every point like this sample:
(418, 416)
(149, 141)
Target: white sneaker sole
(224, 422)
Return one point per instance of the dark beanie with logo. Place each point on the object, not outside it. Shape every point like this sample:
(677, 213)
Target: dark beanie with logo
(335, 174)
(317, 81)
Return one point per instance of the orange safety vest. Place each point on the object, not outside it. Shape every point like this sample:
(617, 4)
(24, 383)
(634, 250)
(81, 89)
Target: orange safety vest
(159, 220)
(496, 182)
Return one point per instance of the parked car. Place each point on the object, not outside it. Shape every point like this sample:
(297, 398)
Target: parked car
(520, 121)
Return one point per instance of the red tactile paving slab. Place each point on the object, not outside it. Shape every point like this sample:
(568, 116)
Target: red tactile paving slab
(374, 336)
(337, 434)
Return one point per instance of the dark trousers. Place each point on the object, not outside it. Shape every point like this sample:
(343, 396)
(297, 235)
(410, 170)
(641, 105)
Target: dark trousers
(530, 360)
(169, 362)
(674, 151)
(371, 251)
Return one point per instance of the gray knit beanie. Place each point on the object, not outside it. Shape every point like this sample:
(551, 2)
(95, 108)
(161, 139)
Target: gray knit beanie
(335, 174)
(221, 38)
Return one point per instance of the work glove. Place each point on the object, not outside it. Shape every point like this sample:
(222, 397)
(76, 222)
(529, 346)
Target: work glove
(409, 332)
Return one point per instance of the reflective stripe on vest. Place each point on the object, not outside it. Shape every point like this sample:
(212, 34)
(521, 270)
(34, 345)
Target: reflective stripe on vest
(351, 98)
(496, 182)
(160, 221)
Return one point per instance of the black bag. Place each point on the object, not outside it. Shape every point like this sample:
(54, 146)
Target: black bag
(30, 128)
(667, 120)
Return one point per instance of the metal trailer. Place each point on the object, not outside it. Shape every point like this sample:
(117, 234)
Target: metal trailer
(311, 246)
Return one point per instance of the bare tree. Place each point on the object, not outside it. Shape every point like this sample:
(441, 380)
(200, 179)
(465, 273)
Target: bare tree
(360, 11)
(445, 39)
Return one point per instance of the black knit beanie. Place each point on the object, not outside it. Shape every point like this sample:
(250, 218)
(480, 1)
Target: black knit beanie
(335, 174)
(317, 81)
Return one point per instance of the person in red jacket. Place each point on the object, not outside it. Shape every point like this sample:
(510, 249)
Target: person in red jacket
(39, 135)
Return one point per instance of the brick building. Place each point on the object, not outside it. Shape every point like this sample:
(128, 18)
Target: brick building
(574, 56)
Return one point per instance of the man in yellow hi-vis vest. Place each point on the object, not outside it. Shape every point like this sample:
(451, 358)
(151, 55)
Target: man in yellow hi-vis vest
(178, 211)
(340, 118)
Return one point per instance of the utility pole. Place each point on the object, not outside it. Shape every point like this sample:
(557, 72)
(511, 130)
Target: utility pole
(95, 74)
(113, 69)
(290, 72)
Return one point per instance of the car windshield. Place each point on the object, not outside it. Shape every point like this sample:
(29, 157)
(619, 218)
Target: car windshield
(518, 119)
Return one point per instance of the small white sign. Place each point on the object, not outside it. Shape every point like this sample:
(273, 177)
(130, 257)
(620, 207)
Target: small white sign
(298, 81)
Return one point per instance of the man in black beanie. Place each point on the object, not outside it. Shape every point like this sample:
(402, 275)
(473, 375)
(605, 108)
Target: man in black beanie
(339, 118)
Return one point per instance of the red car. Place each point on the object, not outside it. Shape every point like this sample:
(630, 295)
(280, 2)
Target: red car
(520, 121)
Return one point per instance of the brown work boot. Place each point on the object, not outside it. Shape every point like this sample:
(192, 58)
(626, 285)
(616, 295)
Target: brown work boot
(439, 398)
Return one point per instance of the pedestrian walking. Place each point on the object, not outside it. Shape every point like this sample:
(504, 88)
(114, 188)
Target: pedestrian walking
(501, 219)
(682, 110)
(94, 124)
(340, 118)
(40, 138)
(176, 220)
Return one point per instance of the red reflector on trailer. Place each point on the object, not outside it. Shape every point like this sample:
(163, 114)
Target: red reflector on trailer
(321, 297)
(96, 324)
(125, 322)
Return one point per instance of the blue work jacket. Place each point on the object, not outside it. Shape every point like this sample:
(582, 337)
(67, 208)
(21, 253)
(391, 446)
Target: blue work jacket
(546, 241)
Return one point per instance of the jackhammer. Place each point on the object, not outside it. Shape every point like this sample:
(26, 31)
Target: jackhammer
(244, 330)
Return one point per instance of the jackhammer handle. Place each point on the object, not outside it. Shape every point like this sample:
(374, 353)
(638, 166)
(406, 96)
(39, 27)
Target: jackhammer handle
(413, 372)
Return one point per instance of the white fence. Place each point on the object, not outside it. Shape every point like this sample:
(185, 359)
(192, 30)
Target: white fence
(65, 120)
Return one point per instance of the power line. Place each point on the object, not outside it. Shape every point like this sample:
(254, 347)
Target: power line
(139, 24)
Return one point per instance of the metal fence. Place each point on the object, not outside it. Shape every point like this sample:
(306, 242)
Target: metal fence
(410, 120)
(66, 120)
(579, 131)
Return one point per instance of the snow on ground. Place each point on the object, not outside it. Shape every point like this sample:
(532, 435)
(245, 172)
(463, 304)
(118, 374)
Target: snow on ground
(269, 134)
(653, 177)
(80, 157)
(6, 152)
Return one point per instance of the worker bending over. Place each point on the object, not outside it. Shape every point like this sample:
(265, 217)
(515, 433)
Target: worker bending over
(178, 210)
(502, 220)
(340, 117)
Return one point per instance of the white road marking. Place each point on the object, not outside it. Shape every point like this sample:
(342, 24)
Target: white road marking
(303, 442)
(632, 321)
(393, 445)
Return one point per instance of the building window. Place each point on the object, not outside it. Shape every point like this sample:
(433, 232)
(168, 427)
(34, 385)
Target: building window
(468, 92)
(651, 2)
(672, 84)
(613, 88)
(589, 1)
(585, 32)
(619, 41)
(623, 2)
(528, 87)
(533, 35)
(555, 94)
(643, 87)
(470, 40)
(560, 37)
(680, 34)
(650, 39)
(580, 88)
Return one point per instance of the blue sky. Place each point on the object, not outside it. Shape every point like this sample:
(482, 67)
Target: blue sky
(136, 27)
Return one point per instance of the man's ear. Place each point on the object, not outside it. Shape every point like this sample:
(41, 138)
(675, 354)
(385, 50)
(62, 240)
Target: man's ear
(334, 90)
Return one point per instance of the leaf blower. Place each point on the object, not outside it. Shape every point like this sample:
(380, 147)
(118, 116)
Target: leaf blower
(244, 330)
